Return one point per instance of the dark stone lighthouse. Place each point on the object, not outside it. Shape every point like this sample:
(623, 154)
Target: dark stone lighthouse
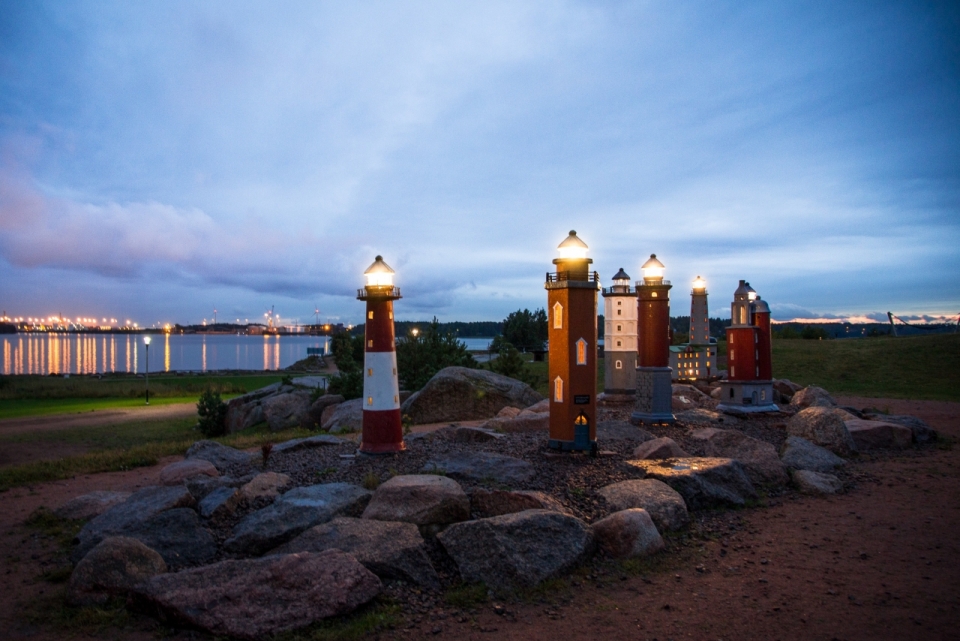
(653, 403)
(572, 323)
(382, 429)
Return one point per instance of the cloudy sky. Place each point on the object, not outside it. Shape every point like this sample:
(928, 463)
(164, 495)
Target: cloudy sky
(158, 159)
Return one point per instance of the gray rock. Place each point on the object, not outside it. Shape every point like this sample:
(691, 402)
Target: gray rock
(540, 407)
(517, 550)
(627, 534)
(482, 466)
(759, 459)
(177, 473)
(391, 550)
(345, 417)
(810, 482)
(508, 412)
(662, 447)
(702, 482)
(821, 426)
(664, 505)
(460, 434)
(246, 411)
(310, 442)
(786, 388)
(201, 486)
(622, 431)
(800, 454)
(528, 422)
(922, 433)
(219, 503)
(266, 485)
(178, 536)
(879, 435)
(292, 513)
(463, 394)
(259, 598)
(706, 417)
(421, 499)
(124, 517)
(487, 503)
(111, 569)
(812, 396)
(226, 459)
(283, 411)
(313, 417)
(694, 398)
(88, 506)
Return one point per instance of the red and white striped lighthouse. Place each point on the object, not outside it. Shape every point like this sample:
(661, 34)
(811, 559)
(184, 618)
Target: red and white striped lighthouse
(653, 403)
(382, 428)
(749, 384)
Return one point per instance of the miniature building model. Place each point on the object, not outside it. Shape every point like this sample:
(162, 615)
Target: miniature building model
(653, 401)
(572, 323)
(382, 429)
(697, 360)
(620, 338)
(749, 384)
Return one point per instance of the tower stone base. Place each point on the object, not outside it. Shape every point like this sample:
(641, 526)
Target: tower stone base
(747, 397)
(653, 402)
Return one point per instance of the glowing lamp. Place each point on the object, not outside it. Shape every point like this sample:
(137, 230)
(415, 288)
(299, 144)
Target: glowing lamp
(379, 274)
(699, 284)
(572, 248)
(146, 340)
(652, 270)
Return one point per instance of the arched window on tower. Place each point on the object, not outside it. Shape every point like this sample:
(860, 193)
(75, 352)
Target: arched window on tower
(557, 315)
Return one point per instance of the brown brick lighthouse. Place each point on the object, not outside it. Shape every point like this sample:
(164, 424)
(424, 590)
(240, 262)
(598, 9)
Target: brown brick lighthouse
(653, 401)
(572, 322)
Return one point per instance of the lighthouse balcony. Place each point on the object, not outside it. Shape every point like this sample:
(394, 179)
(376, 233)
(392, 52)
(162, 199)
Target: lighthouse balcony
(560, 280)
(378, 291)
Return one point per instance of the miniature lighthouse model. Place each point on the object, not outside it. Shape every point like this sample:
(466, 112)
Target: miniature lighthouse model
(572, 323)
(653, 403)
(749, 384)
(382, 429)
(620, 339)
(697, 360)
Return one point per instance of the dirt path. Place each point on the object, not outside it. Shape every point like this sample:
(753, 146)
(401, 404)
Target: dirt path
(878, 562)
(95, 418)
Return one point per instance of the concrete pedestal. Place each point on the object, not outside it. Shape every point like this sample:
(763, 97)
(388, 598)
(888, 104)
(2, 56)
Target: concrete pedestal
(653, 403)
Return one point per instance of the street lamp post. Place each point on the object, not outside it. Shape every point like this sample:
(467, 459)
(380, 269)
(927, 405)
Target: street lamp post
(146, 342)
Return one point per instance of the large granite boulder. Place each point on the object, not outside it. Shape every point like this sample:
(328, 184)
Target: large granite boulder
(922, 433)
(487, 503)
(266, 485)
(389, 549)
(879, 435)
(226, 459)
(800, 454)
(283, 411)
(702, 482)
(90, 505)
(786, 388)
(463, 394)
(219, 503)
(201, 486)
(421, 499)
(810, 482)
(124, 517)
(540, 407)
(663, 447)
(309, 442)
(111, 569)
(292, 513)
(664, 504)
(260, 598)
(177, 473)
(821, 426)
(759, 459)
(312, 419)
(246, 411)
(344, 417)
(482, 466)
(529, 422)
(626, 534)
(178, 535)
(812, 396)
(517, 550)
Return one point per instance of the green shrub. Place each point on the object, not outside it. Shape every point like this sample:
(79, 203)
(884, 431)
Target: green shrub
(348, 384)
(213, 414)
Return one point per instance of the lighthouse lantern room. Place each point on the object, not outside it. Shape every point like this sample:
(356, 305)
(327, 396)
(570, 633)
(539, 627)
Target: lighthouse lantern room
(382, 428)
(572, 331)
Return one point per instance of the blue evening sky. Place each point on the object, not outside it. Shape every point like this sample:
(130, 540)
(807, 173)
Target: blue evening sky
(158, 159)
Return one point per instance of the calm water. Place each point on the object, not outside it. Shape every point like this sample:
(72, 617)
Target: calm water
(101, 353)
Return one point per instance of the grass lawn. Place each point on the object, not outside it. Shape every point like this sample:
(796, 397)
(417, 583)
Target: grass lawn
(916, 367)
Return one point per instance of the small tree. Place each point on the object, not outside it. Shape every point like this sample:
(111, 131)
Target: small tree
(213, 414)
(420, 357)
(348, 384)
(526, 330)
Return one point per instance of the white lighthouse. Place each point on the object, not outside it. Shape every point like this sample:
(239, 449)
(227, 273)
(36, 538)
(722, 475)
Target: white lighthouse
(620, 339)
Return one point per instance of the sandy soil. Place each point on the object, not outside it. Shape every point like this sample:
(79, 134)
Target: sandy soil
(878, 562)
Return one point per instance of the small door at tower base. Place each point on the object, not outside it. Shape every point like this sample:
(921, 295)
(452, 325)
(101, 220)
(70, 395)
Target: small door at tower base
(581, 437)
